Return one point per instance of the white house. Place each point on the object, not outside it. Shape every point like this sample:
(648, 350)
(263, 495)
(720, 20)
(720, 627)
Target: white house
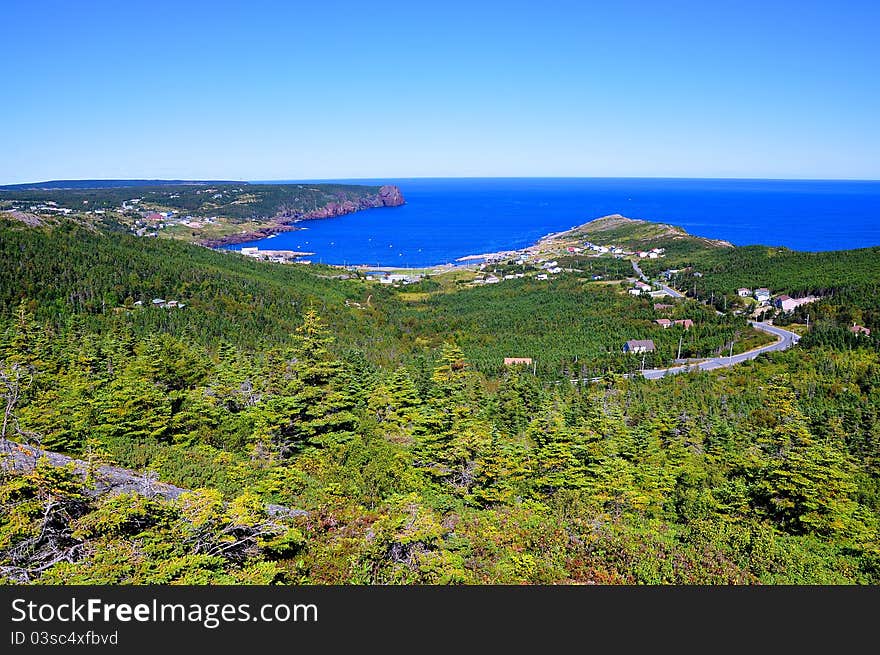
(762, 294)
(639, 346)
(742, 292)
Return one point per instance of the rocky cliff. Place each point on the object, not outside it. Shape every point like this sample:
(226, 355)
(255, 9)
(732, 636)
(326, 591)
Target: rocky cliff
(388, 196)
(286, 217)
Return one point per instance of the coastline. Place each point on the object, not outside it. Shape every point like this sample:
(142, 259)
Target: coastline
(387, 196)
(246, 237)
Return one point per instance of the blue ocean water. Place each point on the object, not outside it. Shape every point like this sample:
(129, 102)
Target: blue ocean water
(445, 219)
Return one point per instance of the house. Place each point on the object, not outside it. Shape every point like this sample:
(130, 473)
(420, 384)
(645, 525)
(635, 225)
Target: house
(639, 346)
(762, 294)
(391, 278)
(635, 292)
(659, 306)
(492, 280)
(642, 286)
(785, 303)
(554, 270)
(663, 322)
(686, 323)
(742, 292)
(517, 361)
(158, 301)
(860, 329)
(542, 276)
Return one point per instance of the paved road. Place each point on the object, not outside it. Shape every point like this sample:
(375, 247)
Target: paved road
(785, 340)
(672, 292)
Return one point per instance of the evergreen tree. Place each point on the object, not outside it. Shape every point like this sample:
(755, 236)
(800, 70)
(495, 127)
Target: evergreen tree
(802, 482)
(309, 410)
(556, 466)
(395, 405)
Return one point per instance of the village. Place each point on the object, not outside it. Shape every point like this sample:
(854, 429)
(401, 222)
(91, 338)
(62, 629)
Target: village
(762, 304)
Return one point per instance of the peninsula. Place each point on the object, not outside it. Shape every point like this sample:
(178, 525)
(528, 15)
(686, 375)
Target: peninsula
(208, 213)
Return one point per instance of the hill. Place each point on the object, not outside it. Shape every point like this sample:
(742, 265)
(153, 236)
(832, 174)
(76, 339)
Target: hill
(383, 414)
(204, 212)
(635, 234)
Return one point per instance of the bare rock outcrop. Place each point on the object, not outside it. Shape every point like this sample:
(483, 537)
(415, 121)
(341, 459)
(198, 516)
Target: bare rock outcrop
(107, 479)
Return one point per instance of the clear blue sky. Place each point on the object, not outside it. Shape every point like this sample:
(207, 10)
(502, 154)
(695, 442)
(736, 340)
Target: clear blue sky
(295, 90)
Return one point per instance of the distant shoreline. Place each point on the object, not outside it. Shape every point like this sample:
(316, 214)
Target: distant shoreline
(462, 221)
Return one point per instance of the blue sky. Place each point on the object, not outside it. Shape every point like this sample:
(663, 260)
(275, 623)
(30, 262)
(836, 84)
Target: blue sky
(289, 90)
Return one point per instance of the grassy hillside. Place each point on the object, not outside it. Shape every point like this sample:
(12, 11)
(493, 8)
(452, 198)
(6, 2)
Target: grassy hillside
(636, 234)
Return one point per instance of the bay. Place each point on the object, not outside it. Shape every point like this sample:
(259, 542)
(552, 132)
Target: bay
(447, 218)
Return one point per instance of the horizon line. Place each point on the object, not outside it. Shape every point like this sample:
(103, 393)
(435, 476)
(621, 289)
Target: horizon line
(446, 177)
(574, 177)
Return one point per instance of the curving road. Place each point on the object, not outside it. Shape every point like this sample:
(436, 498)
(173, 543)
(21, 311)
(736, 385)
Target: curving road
(785, 340)
(672, 292)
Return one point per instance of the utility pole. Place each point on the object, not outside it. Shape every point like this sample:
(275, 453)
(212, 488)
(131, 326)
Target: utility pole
(643, 361)
(808, 322)
(680, 339)
(731, 348)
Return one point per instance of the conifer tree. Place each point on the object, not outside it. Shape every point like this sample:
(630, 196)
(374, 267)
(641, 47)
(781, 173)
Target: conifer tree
(309, 409)
(803, 482)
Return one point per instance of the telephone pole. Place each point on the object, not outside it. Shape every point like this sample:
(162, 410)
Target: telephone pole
(680, 339)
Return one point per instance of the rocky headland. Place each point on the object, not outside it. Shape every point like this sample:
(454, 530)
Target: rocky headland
(286, 217)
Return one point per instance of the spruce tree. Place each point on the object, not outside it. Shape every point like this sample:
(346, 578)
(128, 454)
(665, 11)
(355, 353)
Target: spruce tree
(308, 409)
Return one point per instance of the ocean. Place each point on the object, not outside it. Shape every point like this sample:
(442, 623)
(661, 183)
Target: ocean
(448, 218)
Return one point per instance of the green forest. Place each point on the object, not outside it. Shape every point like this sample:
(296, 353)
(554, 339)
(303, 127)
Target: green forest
(235, 200)
(384, 419)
